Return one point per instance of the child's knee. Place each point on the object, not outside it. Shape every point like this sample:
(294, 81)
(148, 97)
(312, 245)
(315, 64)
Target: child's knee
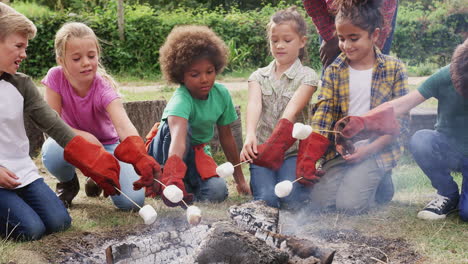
(418, 143)
(32, 231)
(351, 205)
(215, 190)
(123, 203)
(59, 223)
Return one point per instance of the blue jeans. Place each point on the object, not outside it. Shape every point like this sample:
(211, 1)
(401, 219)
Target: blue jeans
(52, 157)
(263, 181)
(32, 211)
(214, 189)
(436, 155)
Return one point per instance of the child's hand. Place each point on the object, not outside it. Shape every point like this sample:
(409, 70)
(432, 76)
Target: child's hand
(359, 155)
(249, 150)
(243, 188)
(8, 179)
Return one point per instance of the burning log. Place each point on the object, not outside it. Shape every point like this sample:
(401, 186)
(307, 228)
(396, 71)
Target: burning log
(262, 221)
(227, 244)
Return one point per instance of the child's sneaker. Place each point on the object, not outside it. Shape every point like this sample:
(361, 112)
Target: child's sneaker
(438, 208)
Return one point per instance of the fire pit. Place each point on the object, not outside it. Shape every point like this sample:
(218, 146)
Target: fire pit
(256, 234)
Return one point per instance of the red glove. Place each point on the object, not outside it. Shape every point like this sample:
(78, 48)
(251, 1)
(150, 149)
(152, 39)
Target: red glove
(149, 137)
(379, 121)
(132, 150)
(206, 166)
(271, 153)
(311, 149)
(174, 173)
(94, 162)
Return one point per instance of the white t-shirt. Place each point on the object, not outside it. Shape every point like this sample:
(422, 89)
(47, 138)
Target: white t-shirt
(359, 91)
(14, 143)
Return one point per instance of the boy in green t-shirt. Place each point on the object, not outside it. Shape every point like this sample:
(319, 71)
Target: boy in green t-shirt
(439, 151)
(192, 56)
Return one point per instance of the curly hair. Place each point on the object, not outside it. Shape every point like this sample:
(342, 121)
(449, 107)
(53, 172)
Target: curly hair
(459, 68)
(187, 44)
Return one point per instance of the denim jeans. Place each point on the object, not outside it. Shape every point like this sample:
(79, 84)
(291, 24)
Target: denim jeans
(350, 188)
(32, 211)
(213, 190)
(437, 157)
(52, 157)
(263, 181)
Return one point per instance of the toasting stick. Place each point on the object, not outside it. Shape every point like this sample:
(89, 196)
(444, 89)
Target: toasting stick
(227, 169)
(146, 212)
(175, 195)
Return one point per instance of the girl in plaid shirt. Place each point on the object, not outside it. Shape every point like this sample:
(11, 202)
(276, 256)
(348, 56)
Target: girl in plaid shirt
(360, 79)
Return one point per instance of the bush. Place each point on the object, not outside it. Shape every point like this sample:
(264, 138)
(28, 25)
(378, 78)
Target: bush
(146, 30)
(429, 34)
(423, 35)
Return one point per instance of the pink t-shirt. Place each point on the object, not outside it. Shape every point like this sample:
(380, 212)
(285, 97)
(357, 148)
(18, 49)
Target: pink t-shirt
(85, 113)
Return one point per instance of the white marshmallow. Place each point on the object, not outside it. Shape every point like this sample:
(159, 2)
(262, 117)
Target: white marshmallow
(148, 214)
(173, 193)
(301, 131)
(193, 215)
(224, 170)
(283, 188)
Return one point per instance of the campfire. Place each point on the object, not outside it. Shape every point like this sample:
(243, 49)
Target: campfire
(256, 233)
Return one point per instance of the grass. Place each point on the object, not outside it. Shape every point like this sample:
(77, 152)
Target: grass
(438, 242)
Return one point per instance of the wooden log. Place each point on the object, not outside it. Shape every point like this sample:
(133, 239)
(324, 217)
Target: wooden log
(262, 221)
(227, 244)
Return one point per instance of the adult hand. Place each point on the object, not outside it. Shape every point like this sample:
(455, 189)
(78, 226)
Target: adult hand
(249, 150)
(329, 50)
(8, 179)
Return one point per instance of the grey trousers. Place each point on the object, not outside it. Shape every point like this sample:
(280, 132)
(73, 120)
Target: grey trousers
(347, 187)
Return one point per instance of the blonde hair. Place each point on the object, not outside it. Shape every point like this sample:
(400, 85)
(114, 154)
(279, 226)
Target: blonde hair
(79, 30)
(14, 22)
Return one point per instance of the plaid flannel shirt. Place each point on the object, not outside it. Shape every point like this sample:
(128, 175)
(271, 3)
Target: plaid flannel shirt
(321, 13)
(389, 81)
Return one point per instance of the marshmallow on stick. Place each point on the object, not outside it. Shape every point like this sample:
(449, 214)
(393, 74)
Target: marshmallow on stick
(283, 189)
(148, 214)
(173, 193)
(301, 131)
(193, 215)
(224, 170)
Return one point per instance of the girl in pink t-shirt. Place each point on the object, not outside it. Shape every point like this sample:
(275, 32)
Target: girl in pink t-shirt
(86, 98)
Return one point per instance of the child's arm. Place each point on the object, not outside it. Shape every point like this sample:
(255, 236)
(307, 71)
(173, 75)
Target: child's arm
(254, 109)
(8, 179)
(119, 117)
(299, 100)
(178, 127)
(132, 148)
(230, 150)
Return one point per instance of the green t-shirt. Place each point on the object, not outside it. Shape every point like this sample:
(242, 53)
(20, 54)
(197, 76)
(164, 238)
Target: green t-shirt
(452, 111)
(202, 115)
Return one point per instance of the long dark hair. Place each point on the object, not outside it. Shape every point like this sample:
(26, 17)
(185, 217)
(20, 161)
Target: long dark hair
(364, 14)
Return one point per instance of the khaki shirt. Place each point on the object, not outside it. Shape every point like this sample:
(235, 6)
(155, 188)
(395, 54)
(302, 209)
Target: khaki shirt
(276, 94)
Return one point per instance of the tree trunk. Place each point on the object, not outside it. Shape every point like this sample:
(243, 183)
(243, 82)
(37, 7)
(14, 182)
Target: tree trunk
(120, 19)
